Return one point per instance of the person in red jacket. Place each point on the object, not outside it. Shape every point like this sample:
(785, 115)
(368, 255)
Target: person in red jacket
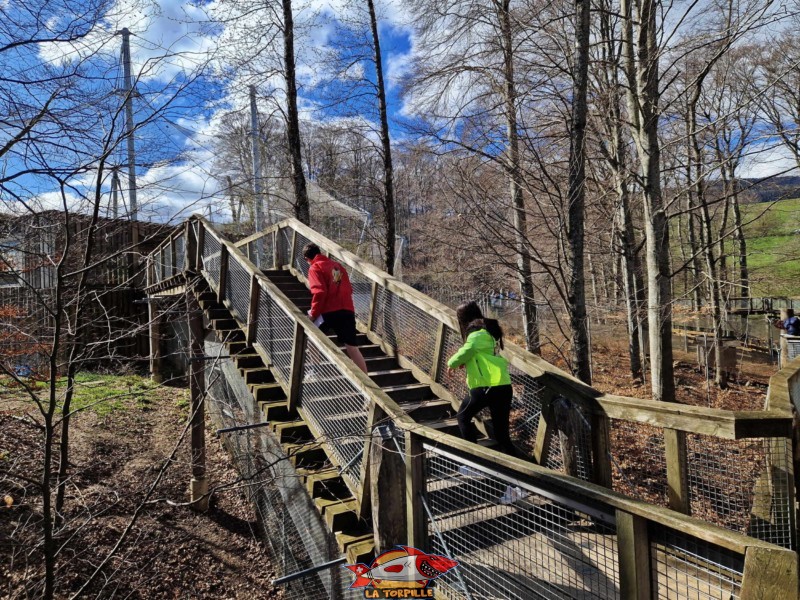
(332, 299)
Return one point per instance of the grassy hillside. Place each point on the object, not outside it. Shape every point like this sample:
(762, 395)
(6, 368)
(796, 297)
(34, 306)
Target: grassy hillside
(772, 230)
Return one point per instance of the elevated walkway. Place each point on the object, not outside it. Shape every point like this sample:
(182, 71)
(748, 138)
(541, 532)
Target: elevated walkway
(599, 510)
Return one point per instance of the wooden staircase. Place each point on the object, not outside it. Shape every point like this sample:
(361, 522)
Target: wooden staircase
(323, 481)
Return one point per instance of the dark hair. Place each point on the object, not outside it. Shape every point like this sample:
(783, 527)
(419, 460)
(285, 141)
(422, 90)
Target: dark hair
(310, 251)
(471, 319)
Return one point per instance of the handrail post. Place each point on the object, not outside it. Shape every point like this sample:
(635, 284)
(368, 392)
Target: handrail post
(201, 242)
(633, 548)
(296, 373)
(438, 351)
(677, 470)
(292, 249)
(190, 249)
(373, 301)
(385, 478)
(223, 273)
(416, 521)
(252, 310)
(174, 255)
(601, 450)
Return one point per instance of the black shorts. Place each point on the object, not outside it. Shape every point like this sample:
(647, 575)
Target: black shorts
(343, 324)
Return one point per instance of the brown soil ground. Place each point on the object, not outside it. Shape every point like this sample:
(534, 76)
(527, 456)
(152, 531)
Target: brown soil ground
(172, 551)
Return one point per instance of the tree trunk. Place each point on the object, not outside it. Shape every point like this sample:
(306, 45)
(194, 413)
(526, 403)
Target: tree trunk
(388, 170)
(301, 207)
(576, 294)
(524, 271)
(641, 55)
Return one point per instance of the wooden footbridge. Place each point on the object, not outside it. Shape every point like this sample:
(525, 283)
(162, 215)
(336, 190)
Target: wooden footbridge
(618, 497)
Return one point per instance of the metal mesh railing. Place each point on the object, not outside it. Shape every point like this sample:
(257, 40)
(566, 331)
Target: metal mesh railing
(180, 253)
(337, 410)
(238, 289)
(639, 465)
(513, 540)
(299, 262)
(683, 566)
(211, 258)
(406, 328)
(275, 334)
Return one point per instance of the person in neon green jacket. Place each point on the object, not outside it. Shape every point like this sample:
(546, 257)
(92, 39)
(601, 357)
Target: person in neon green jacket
(487, 375)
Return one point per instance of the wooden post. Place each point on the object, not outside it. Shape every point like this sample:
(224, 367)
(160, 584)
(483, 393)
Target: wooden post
(190, 248)
(438, 349)
(372, 305)
(387, 482)
(677, 470)
(544, 431)
(199, 483)
(601, 450)
(298, 357)
(785, 314)
(280, 258)
(201, 241)
(633, 547)
(173, 270)
(223, 273)
(154, 326)
(292, 250)
(252, 311)
(416, 519)
(769, 573)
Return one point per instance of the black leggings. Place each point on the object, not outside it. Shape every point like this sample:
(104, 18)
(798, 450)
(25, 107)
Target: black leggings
(498, 399)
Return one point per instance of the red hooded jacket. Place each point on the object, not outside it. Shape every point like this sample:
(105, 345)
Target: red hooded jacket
(330, 287)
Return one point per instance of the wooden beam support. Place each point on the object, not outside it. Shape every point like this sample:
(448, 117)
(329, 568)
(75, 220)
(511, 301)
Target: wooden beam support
(252, 311)
(373, 299)
(438, 350)
(223, 274)
(201, 242)
(633, 545)
(298, 358)
(416, 519)
(677, 470)
(769, 573)
(199, 481)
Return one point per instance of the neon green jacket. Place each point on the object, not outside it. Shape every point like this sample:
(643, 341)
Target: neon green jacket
(484, 368)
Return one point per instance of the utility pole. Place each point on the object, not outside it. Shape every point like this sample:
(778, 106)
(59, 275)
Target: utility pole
(129, 92)
(114, 193)
(259, 217)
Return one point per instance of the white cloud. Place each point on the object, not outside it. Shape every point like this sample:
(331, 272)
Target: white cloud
(767, 161)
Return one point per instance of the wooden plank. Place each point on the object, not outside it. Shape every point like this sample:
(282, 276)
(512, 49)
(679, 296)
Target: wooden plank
(223, 274)
(633, 552)
(769, 573)
(677, 470)
(416, 519)
(438, 350)
(387, 482)
(201, 237)
(373, 305)
(298, 357)
(544, 431)
(260, 234)
(252, 311)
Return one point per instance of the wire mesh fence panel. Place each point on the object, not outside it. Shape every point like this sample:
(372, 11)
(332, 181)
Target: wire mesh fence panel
(237, 289)
(526, 410)
(336, 409)
(512, 540)
(362, 295)
(454, 380)
(638, 461)
(180, 253)
(290, 527)
(284, 245)
(299, 262)
(211, 258)
(686, 567)
(743, 485)
(275, 333)
(406, 328)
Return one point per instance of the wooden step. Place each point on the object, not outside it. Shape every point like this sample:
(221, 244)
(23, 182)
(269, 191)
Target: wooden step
(380, 363)
(370, 350)
(327, 485)
(361, 338)
(230, 335)
(409, 392)
(277, 273)
(292, 432)
(207, 296)
(358, 548)
(304, 474)
(392, 377)
(276, 411)
(267, 392)
(258, 375)
(288, 287)
(296, 295)
(224, 324)
(341, 516)
(218, 313)
(428, 410)
(308, 455)
(444, 425)
(249, 361)
(238, 346)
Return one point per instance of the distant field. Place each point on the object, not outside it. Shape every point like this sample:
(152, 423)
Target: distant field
(772, 230)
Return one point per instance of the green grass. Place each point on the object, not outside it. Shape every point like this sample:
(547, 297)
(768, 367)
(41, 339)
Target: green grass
(104, 394)
(773, 247)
